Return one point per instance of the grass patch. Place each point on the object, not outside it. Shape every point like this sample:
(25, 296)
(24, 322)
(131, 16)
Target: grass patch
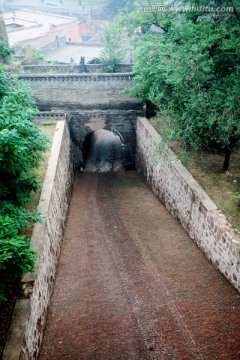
(206, 168)
(49, 129)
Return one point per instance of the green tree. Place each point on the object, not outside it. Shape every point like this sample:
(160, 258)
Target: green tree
(113, 53)
(190, 71)
(3, 31)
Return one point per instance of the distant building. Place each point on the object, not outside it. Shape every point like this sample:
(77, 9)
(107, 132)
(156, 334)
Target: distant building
(39, 29)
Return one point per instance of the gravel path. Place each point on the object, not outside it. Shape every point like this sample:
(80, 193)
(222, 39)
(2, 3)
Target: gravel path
(132, 285)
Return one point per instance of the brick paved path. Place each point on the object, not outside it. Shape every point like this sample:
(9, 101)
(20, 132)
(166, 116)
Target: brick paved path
(132, 285)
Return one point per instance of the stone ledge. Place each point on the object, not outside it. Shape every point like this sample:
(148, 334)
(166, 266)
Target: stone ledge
(19, 321)
(78, 77)
(28, 324)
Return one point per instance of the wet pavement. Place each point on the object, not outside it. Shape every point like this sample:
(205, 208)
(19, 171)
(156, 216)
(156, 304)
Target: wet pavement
(132, 285)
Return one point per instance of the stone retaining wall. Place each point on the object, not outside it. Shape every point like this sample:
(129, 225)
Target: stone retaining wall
(187, 201)
(85, 43)
(30, 312)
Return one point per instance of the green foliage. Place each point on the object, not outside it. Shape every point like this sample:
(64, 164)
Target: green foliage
(236, 197)
(32, 56)
(21, 148)
(21, 142)
(5, 51)
(190, 73)
(16, 257)
(37, 56)
(112, 53)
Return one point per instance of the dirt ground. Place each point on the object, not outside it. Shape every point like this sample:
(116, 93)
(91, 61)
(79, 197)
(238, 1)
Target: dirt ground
(131, 285)
(206, 168)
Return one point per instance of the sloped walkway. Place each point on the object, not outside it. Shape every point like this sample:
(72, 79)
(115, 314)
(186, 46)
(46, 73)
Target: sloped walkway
(132, 285)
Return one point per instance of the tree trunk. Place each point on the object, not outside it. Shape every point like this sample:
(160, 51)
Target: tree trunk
(151, 110)
(3, 31)
(227, 160)
(228, 151)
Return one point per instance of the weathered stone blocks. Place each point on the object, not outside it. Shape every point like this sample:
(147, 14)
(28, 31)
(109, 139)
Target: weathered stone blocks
(187, 201)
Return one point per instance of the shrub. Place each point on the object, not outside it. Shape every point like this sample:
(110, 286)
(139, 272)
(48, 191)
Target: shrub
(16, 257)
(112, 54)
(5, 51)
(21, 148)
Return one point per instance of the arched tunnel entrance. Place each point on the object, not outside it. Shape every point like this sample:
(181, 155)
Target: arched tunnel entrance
(103, 151)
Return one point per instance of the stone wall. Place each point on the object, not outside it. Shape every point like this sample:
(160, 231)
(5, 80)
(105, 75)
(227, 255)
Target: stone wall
(75, 92)
(54, 45)
(30, 312)
(187, 201)
(84, 43)
(71, 68)
(91, 102)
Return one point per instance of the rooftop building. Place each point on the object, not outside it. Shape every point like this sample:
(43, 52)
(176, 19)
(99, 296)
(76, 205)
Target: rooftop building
(38, 28)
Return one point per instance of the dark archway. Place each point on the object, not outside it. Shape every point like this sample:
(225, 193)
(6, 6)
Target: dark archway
(103, 151)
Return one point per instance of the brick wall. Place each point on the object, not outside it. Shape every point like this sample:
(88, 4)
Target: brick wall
(84, 122)
(74, 92)
(30, 313)
(91, 102)
(187, 201)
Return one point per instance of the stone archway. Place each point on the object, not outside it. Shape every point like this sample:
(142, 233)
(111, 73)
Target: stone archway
(121, 123)
(103, 151)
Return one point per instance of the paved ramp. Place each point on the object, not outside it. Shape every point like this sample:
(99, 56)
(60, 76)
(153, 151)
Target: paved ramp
(132, 285)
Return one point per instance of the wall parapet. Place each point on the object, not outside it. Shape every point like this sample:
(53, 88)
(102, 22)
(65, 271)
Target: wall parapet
(76, 77)
(188, 202)
(31, 311)
(73, 68)
(74, 92)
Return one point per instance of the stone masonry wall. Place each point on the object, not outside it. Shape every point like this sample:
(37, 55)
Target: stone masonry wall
(84, 122)
(46, 239)
(187, 201)
(83, 91)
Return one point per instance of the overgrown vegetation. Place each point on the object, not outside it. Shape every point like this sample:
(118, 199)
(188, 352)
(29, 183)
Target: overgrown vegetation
(21, 148)
(188, 68)
(236, 197)
(5, 51)
(32, 56)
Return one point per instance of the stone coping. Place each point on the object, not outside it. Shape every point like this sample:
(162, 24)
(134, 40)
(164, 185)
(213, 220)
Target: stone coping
(78, 77)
